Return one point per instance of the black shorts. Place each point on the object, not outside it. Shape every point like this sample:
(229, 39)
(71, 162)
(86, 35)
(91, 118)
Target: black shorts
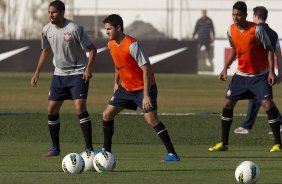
(206, 43)
(132, 99)
(68, 87)
(242, 87)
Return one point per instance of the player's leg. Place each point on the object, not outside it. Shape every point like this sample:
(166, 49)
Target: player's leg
(247, 124)
(235, 92)
(263, 92)
(55, 101)
(226, 119)
(208, 53)
(85, 122)
(78, 89)
(280, 120)
(108, 125)
(202, 52)
(152, 119)
(274, 123)
(54, 126)
(117, 103)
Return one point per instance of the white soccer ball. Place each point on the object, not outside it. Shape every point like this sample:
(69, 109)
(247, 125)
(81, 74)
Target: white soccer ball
(104, 161)
(73, 163)
(247, 172)
(88, 157)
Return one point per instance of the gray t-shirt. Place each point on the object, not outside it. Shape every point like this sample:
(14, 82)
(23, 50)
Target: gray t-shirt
(68, 45)
(137, 52)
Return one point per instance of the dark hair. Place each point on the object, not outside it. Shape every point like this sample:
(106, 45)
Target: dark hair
(114, 20)
(240, 5)
(261, 12)
(59, 5)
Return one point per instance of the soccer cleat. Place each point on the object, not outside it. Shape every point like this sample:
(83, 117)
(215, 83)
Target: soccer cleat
(171, 158)
(241, 130)
(52, 152)
(100, 150)
(89, 149)
(219, 147)
(276, 148)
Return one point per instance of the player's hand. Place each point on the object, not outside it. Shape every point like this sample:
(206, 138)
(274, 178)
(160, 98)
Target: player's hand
(115, 86)
(223, 75)
(271, 78)
(34, 80)
(146, 103)
(87, 75)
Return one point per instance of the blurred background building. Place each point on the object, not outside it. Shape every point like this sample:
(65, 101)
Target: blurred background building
(146, 19)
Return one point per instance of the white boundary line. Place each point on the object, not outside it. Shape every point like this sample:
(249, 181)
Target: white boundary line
(188, 114)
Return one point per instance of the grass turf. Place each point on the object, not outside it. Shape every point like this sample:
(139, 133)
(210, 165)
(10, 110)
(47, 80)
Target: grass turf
(24, 135)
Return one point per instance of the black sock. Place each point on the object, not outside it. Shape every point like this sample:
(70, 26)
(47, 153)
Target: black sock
(108, 129)
(163, 134)
(273, 120)
(226, 121)
(86, 127)
(54, 129)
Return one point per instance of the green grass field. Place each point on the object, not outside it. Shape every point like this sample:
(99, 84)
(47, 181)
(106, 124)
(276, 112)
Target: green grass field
(138, 150)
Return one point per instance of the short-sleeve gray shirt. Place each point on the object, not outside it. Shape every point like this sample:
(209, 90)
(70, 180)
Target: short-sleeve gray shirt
(137, 52)
(68, 45)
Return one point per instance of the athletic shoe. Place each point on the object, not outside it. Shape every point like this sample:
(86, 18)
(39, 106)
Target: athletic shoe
(52, 152)
(219, 147)
(208, 63)
(276, 148)
(280, 130)
(171, 158)
(241, 130)
(88, 149)
(100, 150)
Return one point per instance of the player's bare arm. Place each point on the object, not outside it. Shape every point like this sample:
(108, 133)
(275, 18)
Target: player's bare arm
(271, 75)
(231, 58)
(88, 70)
(42, 59)
(116, 80)
(146, 103)
(279, 63)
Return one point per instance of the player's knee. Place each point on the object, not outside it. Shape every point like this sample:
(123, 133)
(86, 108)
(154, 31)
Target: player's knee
(107, 115)
(80, 108)
(228, 104)
(267, 104)
(151, 119)
(53, 110)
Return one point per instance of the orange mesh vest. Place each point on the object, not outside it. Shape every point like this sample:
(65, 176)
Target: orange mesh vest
(129, 71)
(252, 57)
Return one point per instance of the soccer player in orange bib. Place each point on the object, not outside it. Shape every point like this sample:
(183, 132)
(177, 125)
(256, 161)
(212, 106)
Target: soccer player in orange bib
(137, 88)
(254, 77)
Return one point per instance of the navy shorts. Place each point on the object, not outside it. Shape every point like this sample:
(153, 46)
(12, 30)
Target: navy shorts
(133, 99)
(242, 87)
(69, 87)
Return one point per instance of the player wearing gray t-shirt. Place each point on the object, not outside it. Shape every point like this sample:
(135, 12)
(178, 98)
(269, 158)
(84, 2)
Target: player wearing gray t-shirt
(69, 43)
